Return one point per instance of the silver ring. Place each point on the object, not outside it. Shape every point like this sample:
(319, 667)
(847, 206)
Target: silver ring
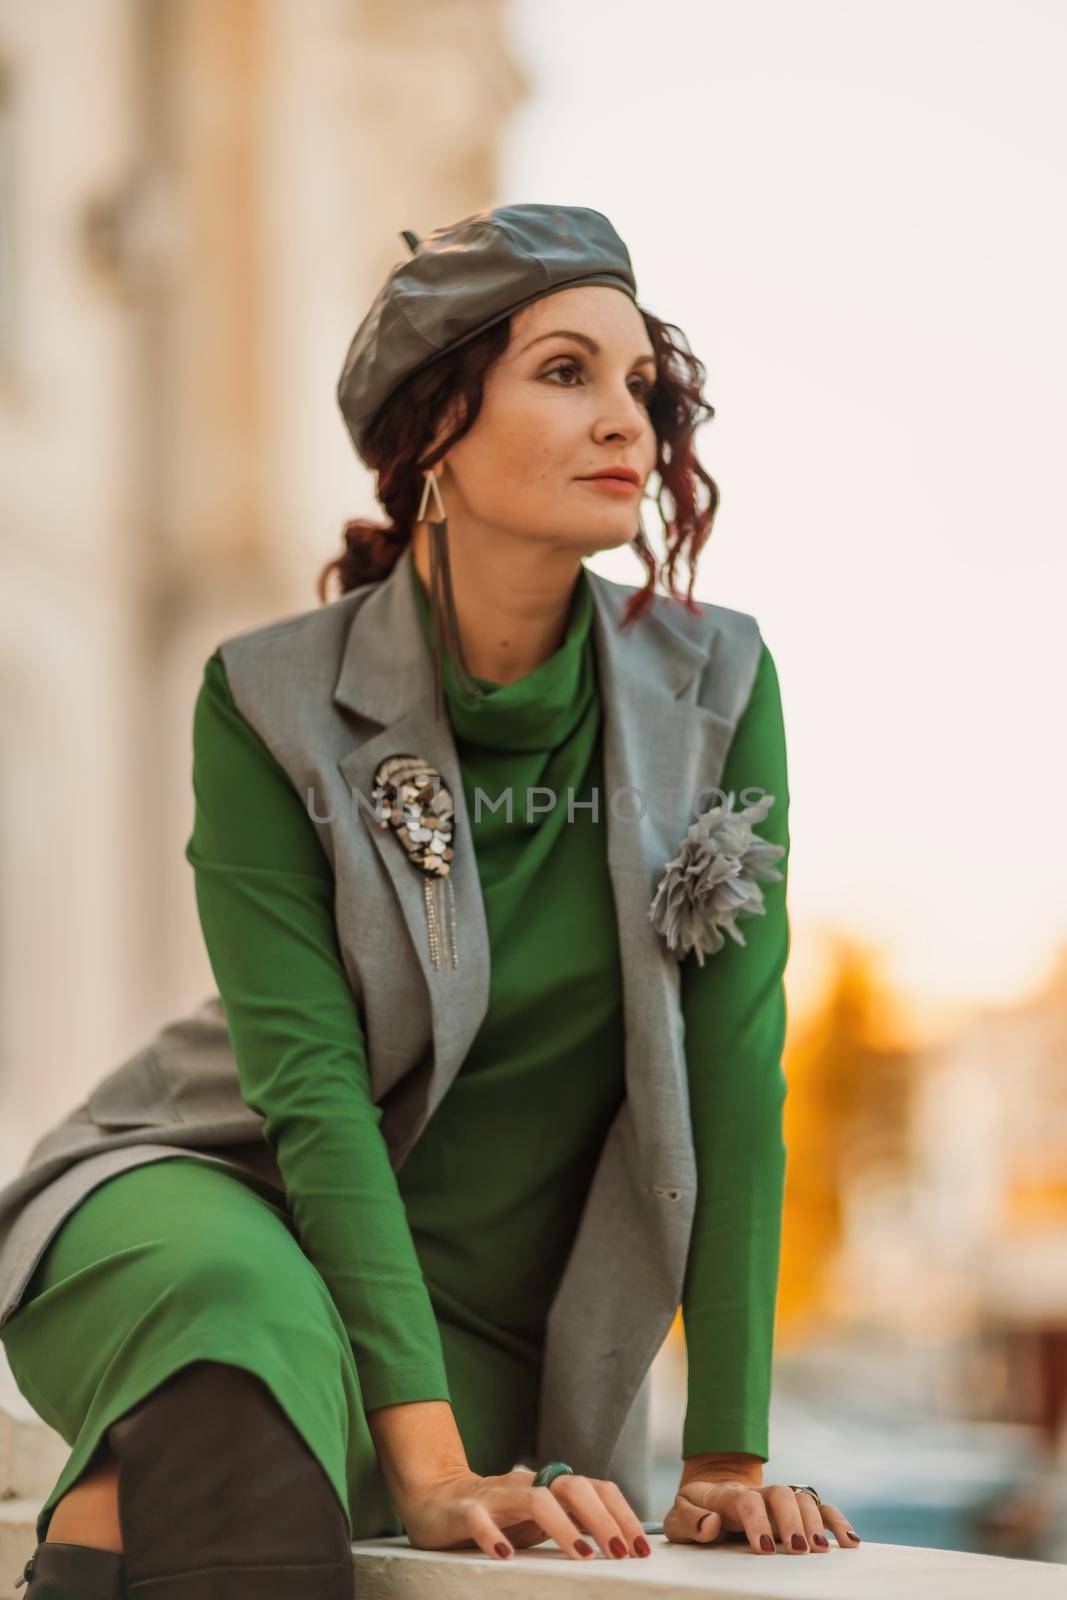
(805, 1488)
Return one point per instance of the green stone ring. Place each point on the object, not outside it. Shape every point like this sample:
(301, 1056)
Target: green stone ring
(548, 1474)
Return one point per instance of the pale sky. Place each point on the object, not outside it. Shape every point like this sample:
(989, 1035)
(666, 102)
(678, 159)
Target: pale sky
(856, 213)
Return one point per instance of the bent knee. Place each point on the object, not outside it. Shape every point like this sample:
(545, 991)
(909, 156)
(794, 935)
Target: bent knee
(214, 1274)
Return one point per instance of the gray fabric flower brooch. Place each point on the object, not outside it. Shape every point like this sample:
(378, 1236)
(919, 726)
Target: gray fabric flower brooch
(712, 880)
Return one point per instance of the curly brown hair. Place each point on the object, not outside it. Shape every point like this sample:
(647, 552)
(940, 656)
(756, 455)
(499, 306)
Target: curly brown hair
(411, 415)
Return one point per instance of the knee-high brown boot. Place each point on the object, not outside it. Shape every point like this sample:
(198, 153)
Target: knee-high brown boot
(221, 1499)
(58, 1571)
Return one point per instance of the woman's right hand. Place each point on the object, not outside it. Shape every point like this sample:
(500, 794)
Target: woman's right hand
(503, 1513)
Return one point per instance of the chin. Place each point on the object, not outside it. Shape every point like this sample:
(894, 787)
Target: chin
(599, 544)
(589, 541)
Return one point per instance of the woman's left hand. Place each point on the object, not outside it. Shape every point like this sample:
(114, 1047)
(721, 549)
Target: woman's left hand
(712, 1510)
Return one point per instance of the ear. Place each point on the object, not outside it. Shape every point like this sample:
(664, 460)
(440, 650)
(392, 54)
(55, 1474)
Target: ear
(451, 418)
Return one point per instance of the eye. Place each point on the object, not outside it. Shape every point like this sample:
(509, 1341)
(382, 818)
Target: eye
(644, 391)
(564, 366)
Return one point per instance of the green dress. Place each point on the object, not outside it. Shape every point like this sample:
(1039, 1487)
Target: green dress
(361, 1287)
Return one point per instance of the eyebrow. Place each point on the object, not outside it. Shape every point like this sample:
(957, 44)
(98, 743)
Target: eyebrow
(582, 338)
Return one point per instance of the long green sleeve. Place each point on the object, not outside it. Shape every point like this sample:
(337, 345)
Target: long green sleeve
(735, 1020)
(264, 890)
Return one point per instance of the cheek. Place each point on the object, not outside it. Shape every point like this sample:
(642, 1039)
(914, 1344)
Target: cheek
(533, 449)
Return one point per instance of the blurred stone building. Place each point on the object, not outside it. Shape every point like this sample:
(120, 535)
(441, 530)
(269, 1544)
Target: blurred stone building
(198, 199)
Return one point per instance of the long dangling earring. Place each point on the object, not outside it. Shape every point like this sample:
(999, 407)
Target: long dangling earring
(444, 624)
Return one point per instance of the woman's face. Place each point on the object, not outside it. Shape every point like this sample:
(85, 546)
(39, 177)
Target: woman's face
(558, 406)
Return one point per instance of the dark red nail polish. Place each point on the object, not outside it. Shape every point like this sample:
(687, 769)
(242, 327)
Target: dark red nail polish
(583, 1548)
(799, 1542)
(766, 1542)
(616, 1546)
(821, 1541)
(642, 1546)
(501, 1549)
(853, 1535)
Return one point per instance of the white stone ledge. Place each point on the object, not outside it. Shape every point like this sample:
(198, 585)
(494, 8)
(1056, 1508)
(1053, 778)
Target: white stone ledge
(389, 1569)
(31, 1457)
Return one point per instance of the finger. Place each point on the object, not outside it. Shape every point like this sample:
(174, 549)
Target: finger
(542, 1505)
(811, 1517)
(746, 1507)
(689, 1523)
(577, 1494)
(485, 1533)
(625, 1515)
(732, 1500)
(781, 1501)
(843, 1531)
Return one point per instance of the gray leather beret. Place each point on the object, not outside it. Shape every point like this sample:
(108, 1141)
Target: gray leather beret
(461, 280)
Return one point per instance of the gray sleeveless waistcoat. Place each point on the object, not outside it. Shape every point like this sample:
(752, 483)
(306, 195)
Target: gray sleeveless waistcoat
(332, 691)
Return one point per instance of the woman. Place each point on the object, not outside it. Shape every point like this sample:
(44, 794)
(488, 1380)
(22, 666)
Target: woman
(486, 1093)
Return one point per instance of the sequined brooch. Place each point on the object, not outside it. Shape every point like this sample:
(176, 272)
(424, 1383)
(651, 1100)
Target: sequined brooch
(711, 882)
(412, 798)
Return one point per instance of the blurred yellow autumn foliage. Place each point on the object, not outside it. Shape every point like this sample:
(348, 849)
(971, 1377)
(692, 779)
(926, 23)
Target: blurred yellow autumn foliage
(850, 1073)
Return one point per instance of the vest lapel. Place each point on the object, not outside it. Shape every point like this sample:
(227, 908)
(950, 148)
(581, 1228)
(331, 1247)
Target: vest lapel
(387, 677)
(660, 747)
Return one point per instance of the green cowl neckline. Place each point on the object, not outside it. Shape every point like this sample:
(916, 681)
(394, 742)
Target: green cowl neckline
(538, 711)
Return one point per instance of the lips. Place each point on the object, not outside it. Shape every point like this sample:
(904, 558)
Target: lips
(622, 474)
